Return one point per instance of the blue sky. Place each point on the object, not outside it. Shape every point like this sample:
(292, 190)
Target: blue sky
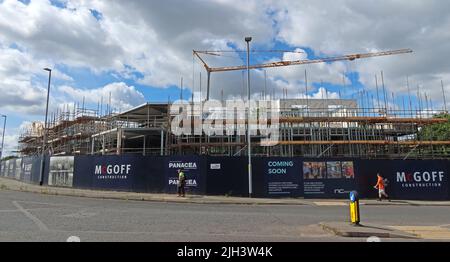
(137, 51)
(84, 78)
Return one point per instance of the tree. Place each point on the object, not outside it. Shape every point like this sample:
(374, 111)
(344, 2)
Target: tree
(436, 132)
(8, 158)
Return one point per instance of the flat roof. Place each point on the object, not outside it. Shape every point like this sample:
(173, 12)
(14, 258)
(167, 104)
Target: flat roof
(141, 112)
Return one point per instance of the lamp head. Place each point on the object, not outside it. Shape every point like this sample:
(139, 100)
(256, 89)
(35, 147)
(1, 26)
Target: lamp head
(248, 39)
(47, 69)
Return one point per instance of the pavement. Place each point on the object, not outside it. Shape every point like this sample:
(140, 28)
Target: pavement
(15, 185)
(366, 230)
(436, 232)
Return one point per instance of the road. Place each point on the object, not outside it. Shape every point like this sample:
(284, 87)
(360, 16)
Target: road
(35, 217)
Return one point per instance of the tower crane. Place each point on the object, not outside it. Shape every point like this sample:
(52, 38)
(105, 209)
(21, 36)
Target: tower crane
(350, 57)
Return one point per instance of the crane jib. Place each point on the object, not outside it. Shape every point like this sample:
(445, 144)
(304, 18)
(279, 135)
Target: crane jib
(351, 57)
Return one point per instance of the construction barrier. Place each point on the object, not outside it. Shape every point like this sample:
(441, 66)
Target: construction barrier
(407, 179)
(272, 176)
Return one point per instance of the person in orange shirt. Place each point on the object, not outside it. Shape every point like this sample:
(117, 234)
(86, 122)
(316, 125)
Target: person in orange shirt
(381, 188)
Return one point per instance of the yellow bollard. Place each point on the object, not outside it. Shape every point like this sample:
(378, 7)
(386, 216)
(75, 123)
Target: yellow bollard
(354, 208)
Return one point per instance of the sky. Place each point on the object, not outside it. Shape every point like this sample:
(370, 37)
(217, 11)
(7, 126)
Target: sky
(137, 51)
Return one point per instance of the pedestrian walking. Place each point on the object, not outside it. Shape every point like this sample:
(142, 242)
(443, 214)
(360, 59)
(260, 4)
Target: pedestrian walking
(181, 183)
(381, 188)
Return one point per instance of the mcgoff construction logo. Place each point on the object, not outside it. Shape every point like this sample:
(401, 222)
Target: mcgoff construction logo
(112, 171)
(217, 118)
(420, 179)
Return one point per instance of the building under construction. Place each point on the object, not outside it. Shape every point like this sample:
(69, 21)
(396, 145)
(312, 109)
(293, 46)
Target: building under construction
(307, 127)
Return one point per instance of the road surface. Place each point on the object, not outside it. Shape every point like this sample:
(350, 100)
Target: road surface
(35, 217)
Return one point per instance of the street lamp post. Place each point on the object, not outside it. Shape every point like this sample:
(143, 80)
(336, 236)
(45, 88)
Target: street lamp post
(44, 140)
(250, 189)
(3, 136)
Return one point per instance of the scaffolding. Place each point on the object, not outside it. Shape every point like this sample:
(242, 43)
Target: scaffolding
(307, 128)
(30, 138)
(68, 132)
(326, 128)
(140, 130)
(360, 127)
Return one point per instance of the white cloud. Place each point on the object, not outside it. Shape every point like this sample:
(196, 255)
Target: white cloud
(72, 36)
(156, 38)
(298, 91)
(10, 145)
(297, 54)
(122, 96)
(322, 93)
(338, 27)
(18, 91)
(12, 137)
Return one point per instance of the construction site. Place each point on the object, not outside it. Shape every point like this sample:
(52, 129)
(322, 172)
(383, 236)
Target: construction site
(361, 127)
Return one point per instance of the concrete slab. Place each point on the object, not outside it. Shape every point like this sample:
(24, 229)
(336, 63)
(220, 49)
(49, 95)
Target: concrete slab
(365, 230)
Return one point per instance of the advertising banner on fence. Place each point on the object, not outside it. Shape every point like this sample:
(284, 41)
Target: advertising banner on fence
(107, 172)
(193, 168)
(2, 168)
(5, 168)
(61, 171)
(116, 172)
(36, 169)
(328, 179)
(283, 178)
(408, 179)
(27, 167)
(272, 176)
(18, 171)
(10, 168)
(126, 172)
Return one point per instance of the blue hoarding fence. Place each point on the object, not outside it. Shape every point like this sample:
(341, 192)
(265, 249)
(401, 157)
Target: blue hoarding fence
(194, 169)
(273, 177)
(407, 179)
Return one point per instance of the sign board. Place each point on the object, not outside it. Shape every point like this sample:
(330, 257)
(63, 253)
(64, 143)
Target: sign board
(215, 166)
(61, 171)
(193, 169)
(328, 179)
(109, 172)
(353, 196)
(283, 178)
(408, 179)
